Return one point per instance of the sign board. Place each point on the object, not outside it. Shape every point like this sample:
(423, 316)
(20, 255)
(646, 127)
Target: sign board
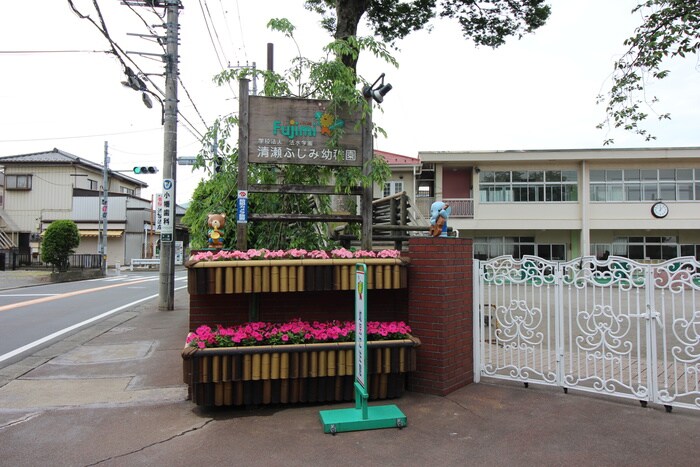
(186, 160)
(159, 212)
(296, 131)
(242, 207)
(179, 252)
(168, 226)
(361, 325)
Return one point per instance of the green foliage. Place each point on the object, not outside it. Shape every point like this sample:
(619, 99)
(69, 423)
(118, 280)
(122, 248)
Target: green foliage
(486, 22)
(671, 28)
(60, 241)
(326, 78)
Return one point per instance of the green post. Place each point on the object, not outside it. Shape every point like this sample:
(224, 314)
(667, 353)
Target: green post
(361, 417)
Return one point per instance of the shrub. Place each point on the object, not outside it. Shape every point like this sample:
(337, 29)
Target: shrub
(60, 240)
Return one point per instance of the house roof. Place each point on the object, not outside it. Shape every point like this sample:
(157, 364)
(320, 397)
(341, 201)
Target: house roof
(397, 159)
(58, 157)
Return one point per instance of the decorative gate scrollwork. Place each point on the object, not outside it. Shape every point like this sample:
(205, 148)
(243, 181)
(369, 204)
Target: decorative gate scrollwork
(615, 327)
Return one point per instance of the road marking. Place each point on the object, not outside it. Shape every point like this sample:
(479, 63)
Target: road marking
(59, 296)
(28, 295)
(61, 332)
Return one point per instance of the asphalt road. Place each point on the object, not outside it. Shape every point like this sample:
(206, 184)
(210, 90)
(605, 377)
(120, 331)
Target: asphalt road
(32, 317)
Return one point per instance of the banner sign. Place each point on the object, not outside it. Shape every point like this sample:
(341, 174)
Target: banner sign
(242, 207)
(296, 131)
(168, 227)
(361, 324)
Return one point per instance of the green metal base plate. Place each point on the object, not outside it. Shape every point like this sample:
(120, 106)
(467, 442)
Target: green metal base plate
(380, 416)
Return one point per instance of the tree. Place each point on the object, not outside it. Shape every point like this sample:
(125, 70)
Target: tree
(326, 78)
(670, 28)
(486, 22)
(60, 240)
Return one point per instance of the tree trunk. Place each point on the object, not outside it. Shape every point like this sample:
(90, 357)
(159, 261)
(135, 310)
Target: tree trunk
(348, 13)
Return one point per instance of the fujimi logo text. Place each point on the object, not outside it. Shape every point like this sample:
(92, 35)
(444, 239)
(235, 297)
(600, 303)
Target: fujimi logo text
(292, 130)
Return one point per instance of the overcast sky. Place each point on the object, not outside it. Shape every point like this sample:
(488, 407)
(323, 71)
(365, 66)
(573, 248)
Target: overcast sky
(536, 93)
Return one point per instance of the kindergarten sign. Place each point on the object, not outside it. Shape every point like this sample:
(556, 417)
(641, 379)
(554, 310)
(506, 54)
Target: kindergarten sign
(297, 131)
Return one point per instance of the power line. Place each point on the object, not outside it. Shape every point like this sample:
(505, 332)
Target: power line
(216, 33)
(29, 52)
(211, 38)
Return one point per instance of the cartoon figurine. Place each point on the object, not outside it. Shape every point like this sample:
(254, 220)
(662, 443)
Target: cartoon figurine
(439, 212)
(216, 222)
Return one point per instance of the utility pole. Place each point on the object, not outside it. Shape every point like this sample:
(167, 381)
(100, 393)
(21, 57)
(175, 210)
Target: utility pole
(166, 291)
(238, 66)
(102, 247)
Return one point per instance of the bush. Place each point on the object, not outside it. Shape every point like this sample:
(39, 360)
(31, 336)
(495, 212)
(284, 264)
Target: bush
(60, 240)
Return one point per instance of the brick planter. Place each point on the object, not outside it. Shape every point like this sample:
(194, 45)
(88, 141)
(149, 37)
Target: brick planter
(294, 373)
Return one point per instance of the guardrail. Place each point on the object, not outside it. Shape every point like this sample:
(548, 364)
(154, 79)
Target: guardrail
(147, 262)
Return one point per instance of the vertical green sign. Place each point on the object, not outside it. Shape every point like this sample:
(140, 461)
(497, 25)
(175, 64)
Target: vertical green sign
(361, 324)
(362, 416)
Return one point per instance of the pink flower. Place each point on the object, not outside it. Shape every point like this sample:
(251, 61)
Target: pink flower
(341, 253)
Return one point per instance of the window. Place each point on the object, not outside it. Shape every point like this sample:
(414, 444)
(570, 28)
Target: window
(391, 188)
(93, 184)
(646, 248)
(492, 247)
(616, 185)
(128, 191)
(18, 182)
(528, 186)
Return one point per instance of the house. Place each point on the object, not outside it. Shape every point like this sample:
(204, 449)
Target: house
(561, 204)
(41, 187)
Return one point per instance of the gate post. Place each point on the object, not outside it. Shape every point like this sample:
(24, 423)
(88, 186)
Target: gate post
(440, 313)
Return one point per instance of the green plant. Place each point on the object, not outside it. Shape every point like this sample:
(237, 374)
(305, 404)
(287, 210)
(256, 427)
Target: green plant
(327, 78)
(60, 240)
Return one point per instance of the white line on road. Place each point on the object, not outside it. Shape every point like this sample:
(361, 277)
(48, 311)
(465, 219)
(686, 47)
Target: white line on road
(28, 294)
(56, 334)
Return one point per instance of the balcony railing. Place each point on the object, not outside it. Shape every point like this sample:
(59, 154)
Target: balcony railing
(461, 207)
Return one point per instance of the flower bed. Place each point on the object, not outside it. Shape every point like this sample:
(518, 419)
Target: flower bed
(253, 271)
(315, 363)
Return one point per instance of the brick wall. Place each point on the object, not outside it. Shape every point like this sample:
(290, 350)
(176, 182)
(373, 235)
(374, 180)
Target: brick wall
(440, 313)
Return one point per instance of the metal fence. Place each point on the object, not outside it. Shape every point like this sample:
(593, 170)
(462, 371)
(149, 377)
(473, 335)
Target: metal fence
(614, 327)
(77, 261)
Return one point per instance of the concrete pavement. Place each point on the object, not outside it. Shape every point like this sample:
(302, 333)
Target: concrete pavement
(112, 394)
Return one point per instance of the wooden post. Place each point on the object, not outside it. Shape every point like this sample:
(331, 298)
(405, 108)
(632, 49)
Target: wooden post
(243, 115)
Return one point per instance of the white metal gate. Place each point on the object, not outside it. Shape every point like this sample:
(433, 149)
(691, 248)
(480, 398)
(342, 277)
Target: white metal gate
(615, 327)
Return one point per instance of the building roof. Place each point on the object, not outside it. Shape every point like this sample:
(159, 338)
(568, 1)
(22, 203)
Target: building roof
(58, 157)
(547, 155)
(397, 159)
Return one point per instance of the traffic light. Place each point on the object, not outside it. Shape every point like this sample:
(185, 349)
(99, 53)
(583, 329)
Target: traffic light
(218, 161)
(145, 170)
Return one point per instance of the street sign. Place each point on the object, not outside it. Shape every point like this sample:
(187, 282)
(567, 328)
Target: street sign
(242, 207)
(168, 222)
(186, 160)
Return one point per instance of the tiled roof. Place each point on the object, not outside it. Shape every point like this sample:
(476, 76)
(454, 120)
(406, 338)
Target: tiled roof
(397, 159)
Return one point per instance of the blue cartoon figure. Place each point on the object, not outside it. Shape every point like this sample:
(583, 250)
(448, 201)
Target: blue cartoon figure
(439, 212)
